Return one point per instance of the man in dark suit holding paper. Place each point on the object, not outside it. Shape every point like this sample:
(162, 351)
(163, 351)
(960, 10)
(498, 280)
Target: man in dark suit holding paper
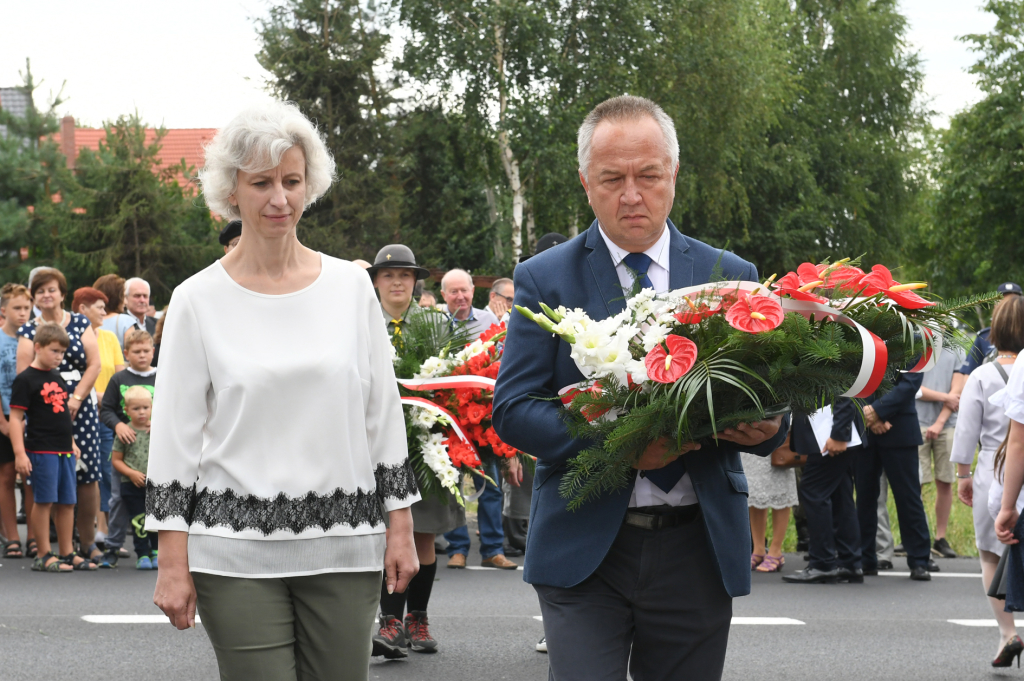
(642, 577)
(826, 493)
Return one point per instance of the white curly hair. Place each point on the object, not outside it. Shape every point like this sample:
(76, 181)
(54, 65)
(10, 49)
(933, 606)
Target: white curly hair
(255, 140)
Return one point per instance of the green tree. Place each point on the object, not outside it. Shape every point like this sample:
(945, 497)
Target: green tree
(133, 217)
(323, 55)
(972, 242)
(33, 182)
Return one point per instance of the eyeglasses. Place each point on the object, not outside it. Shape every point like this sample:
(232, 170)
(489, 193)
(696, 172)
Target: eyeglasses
(506, 298)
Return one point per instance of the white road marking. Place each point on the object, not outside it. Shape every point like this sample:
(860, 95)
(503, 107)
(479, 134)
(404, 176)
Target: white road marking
(747, 620)
(975, 623)
(129, 619)
(481, 567)
(975, 575)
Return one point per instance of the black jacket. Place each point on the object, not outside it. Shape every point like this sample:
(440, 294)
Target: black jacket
(898, 408)
(112, 407)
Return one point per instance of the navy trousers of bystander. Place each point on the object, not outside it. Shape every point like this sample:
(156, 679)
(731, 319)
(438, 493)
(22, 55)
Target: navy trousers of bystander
(826, 494)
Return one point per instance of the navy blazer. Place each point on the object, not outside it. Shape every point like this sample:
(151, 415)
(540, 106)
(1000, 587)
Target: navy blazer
(563, 547)
(898, 408)
(845, 417)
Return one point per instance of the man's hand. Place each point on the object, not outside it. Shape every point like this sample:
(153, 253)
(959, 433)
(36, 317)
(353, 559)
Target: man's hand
(138, 478)
(661, 453)
(125, 433)
(881, 428)
(952, 401)
(1005, 522)
(752, 434)
(934, 431)
(23, 466)
(833, 447)
(965, 490)
(499, 306)
(514, 472)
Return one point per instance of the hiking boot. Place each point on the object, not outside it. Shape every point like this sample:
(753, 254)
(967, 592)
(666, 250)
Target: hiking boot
(418, 628)
(390, 640)
(942, 549)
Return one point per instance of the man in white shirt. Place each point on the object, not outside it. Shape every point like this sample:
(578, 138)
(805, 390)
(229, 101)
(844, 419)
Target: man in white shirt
(502, 293)
(136, 304)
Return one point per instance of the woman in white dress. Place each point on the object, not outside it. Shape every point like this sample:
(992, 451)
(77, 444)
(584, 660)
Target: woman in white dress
(982, 425)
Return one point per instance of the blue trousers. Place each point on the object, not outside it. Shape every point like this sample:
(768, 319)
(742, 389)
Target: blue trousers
(492, 536)
(106, 444)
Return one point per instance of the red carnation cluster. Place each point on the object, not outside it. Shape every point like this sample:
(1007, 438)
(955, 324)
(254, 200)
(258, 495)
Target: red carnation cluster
(472, 407)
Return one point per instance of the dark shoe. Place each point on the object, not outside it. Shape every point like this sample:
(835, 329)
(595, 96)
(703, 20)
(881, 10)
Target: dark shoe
(420, 640)
(499, 561)
(942, 549)
(885, 565)
(457, 562)
(110, 558)
(513, 551)
(802, 545)
(1011, 650)
(851, 575)
(919, 574)
(933, 566)
(390, 640)
(811, 576)
(870, 572)
(807, 557)
(899, 550)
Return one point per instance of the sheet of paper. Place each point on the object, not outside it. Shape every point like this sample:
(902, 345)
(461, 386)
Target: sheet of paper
(821, 424)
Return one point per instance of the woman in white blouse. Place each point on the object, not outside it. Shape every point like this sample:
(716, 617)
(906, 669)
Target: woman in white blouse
(982, 424)
(277, 447)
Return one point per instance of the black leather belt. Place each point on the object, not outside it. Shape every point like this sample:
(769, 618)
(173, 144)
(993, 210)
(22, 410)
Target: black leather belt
(661, 518)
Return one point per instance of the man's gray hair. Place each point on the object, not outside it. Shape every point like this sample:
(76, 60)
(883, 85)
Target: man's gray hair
(458, 273)
(254, 141)
(135, 280)
(500, 284)
(625, 108)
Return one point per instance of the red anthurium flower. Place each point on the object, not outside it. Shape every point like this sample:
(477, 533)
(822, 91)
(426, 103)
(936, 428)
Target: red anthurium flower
(809, 273)
(670, 366)
(791, 283)
(755, 314)
(880, 281)
(843, 276)
(696, 313)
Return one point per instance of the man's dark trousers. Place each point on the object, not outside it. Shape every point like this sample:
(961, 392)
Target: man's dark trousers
(826, 493)
(902, 469)
(657, 590)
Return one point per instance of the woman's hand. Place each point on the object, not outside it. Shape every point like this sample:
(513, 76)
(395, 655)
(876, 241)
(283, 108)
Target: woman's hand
(400, 561)
(965, 490)
(74, 404)
(124, 433)
(1005, 522)
(175, 593)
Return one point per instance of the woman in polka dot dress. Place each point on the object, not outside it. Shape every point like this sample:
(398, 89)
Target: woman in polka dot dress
(79, 369)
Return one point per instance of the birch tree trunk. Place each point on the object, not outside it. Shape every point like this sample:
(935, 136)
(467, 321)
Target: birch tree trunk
(508, 159)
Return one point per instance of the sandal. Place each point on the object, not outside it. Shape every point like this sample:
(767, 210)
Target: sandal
(12, 549)
(756, 559)
(100, 560)
(85, 565)
(771, 564)
(40, 564)
(31, 550)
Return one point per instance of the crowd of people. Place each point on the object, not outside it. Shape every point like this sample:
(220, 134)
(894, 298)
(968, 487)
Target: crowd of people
(294, 536)
(63, 383)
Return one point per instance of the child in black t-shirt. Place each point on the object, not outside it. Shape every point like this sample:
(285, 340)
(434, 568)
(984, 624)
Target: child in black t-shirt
(45, 451)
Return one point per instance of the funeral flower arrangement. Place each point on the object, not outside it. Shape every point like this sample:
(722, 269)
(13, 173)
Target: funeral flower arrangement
(688, 363)
(447, 399)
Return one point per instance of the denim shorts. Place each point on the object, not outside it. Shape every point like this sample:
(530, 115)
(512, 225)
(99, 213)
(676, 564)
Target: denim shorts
(53, 478)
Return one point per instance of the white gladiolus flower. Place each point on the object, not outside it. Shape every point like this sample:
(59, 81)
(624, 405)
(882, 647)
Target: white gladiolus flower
(424, 418)
(655, 336)
(432, 367)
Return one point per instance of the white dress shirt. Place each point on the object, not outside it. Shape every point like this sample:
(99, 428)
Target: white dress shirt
(645, 492)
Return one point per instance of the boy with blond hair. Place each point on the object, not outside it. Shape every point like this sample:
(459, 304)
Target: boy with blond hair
(131, 460)
(138, 352)
(16, 307)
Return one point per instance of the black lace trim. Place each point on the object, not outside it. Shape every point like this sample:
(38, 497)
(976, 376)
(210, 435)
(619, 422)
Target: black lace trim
(282, 512)
(395, 482)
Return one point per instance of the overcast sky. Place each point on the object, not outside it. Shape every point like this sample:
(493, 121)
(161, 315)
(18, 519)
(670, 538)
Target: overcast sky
(190, 63)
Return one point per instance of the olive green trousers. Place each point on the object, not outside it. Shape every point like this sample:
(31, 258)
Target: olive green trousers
(291, 628)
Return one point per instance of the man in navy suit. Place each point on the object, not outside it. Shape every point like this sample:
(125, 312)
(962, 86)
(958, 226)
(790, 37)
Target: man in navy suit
(826, 493)
(892, 441)
(642, 577)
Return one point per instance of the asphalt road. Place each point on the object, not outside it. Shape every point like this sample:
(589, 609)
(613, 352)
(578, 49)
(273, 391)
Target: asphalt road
(487, 626)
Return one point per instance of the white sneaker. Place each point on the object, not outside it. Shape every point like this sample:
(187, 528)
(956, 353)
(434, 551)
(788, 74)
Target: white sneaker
(542, 645)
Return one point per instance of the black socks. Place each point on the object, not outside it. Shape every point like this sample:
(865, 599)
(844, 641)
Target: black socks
(420, 587)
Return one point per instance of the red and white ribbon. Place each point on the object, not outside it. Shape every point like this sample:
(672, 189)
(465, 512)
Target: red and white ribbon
(448, 383)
